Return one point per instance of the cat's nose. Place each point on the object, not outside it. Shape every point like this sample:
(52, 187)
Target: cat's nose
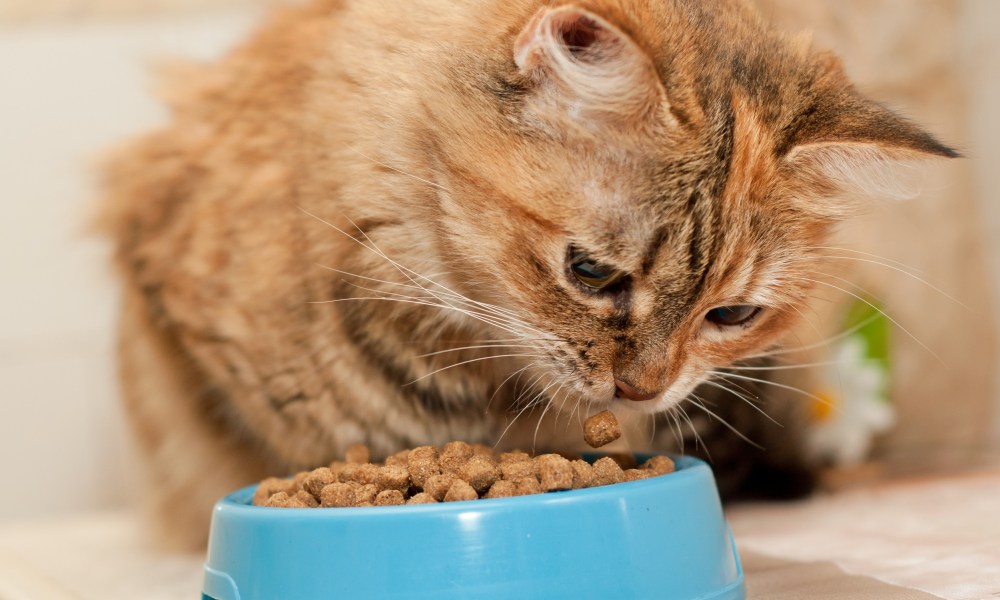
(628, 391)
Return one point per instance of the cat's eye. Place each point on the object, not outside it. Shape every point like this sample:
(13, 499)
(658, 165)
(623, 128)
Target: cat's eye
(592, 274)
(731, 316)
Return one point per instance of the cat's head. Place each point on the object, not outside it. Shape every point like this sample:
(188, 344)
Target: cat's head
(648, 186)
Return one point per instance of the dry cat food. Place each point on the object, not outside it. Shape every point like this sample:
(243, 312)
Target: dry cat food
(601, 429)
(453, 472)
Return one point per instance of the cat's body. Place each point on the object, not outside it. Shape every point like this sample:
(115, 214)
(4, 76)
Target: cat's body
(452, 165)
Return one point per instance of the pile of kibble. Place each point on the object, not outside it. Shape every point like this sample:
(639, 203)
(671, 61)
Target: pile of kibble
(455, 471)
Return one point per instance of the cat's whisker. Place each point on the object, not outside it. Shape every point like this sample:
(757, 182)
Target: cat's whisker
(514, 386)
(518, 373)
(830, 340)
(886, 260)
(675, 426)
(529, 388)
(698, 441)
(485, 313)
(750, 402)
(899, 270)
(879, 310)
(373, 279)
(406, 272)
(698, 402)
(400, 171)
(750, 396)
(771, 383)
(404, 300)
(807, 320)
(825, 363)
(488, 319)
(481, 347)
(652, 429)
(548, 405)
(472, 360)
(528, 407)
(905, 270)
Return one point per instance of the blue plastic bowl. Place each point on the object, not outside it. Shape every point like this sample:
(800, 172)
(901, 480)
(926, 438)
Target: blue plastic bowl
(659, 538)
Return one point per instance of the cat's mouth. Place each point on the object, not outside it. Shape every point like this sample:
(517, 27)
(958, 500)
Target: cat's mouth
(643, 403)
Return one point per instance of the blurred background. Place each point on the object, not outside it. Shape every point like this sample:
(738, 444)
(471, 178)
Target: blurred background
(76, 78)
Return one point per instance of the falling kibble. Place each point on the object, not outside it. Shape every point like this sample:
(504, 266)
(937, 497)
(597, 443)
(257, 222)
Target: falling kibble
(601, 429)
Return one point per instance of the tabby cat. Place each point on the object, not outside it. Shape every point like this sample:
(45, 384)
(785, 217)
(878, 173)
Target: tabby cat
(405, 223)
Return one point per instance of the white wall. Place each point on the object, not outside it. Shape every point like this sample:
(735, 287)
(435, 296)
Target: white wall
(981, 68)
(67, 91)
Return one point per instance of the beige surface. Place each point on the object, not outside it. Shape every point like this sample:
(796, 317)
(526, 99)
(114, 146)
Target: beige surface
(941, 536)
(938, 536)
(776, 579)
(104, 557)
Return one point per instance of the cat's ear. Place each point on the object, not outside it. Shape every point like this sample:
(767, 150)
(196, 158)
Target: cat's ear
(585, 68)
(851, 143)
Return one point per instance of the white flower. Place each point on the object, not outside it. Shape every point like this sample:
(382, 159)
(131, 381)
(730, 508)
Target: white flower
(854, 407)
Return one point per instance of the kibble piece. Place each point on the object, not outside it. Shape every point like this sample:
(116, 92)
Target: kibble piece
(519, 470)
(460, 490)
(454, 455)
(299, 500)
(514, 457)
(389, 498)
(660, 465)
(554, 472)
(349, 472)
(308, 499)
(394, 477)
(297, 482)
(583, 474)
(484, 450)
(365, 494)
(398, 459)
(601, 429)
(421, 498)
(369, 474)
(357, 454)
(637, 474)
(337, 467)
(339, 495)
(625, 460)
(607, 471)
(318, 479)
(437, 485)
(480, 472)
(527, 486)
(502, 489)
(422, 463)
(279, 500)
(269, 487)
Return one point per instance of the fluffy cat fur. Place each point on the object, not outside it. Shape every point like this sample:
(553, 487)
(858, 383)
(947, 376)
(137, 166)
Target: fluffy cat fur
(346, 203)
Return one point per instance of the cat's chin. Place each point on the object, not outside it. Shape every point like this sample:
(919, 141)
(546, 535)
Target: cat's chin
(662, 403)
